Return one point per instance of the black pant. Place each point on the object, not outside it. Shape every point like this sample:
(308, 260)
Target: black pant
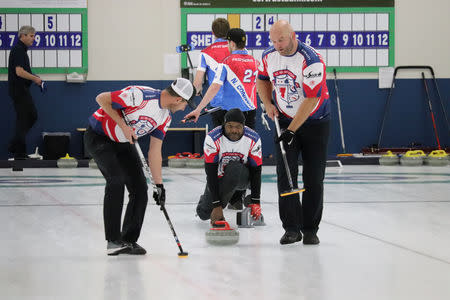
(218, 117)
(311, 141)
(26, 117)
(233, 184)
(120, 165)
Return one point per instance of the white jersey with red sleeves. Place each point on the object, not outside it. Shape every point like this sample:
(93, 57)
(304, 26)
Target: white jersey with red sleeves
(296, 77)
(237, 73)
(143, 111)
(209, 60)
(219, 149)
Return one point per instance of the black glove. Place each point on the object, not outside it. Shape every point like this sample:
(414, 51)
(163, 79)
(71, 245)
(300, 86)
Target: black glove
(160, 195)
(287, 137)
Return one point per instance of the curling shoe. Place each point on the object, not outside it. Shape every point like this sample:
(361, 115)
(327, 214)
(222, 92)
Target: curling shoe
(235, 206)
(118, 247)
(310, 238)
(290, 237)
(136, 249)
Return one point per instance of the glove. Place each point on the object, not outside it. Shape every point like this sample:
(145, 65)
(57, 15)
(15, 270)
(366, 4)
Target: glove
(43, 87)
(255, 211)
(217, 215)
(287, 137)
(160, 195)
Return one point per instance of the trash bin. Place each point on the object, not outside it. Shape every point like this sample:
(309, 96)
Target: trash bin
(56, 144)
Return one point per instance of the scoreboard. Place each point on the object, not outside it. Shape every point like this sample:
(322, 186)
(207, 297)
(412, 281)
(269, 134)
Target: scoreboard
(60, 44)
(351, 36)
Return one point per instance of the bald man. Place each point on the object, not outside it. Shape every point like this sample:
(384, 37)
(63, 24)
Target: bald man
(296, 72)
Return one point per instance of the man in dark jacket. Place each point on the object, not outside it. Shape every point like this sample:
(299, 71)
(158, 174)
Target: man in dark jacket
(19, 81)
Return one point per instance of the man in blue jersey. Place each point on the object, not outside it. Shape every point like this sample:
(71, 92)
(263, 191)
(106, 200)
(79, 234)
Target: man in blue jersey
(237, 74)
(210, 58)
(296, 72)
(109, 140)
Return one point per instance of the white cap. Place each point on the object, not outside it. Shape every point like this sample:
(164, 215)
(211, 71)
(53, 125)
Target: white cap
(183, 88)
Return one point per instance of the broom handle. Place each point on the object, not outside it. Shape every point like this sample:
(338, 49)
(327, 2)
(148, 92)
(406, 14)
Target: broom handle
(283, 154)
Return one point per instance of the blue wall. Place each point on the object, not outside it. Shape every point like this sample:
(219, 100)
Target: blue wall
(67, 106)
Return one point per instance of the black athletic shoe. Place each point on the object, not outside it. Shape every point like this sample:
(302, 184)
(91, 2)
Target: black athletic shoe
(235, 206)
(118, 247)
(310, 238)
(290, 237)
(137, 249)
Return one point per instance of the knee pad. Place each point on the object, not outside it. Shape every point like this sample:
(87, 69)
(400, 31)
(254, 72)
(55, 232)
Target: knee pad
(202, 214)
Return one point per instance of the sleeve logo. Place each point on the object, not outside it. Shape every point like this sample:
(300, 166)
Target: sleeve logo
(313, 75)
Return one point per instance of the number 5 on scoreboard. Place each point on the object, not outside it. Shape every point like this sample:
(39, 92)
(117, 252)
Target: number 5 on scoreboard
(50, 22)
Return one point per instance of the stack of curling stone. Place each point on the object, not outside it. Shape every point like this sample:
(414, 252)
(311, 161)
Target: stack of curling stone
(92, 164)
(67, 162)
(222, 234)
(437, 158)
(389, 159)
(412, 158)
(178, 160)
(195, 161)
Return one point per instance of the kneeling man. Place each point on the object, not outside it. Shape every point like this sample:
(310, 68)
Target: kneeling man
(233, 159)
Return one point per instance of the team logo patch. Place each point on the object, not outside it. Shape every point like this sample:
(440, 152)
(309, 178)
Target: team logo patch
(143, 125)
(288, 88)
(227, 157)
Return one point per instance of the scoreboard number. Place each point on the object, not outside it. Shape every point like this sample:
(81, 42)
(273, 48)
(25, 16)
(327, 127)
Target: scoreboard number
(350, 39)
(60, 44)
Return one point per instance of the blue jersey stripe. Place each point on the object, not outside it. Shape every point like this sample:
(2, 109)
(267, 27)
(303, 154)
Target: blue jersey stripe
(253, 135)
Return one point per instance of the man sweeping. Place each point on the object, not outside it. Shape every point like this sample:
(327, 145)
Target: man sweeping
(233, 159)
(109, 140)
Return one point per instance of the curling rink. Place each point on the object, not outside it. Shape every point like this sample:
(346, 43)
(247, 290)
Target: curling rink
(385, 234)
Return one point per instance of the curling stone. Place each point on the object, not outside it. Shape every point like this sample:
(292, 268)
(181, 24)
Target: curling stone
(195, 161)
(178, 160)
(412, 158)
(244, 219)
(36, 154)
(222, 234)
(67, 162)
(92, 164)
(389, 159)
(437, 158)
